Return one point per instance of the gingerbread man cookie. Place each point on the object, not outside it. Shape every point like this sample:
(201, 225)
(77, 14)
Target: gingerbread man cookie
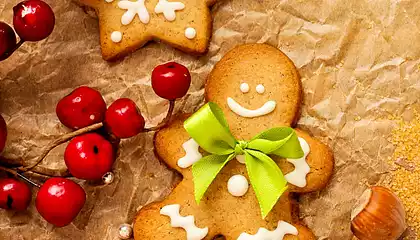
(126, 25)
(256, 87)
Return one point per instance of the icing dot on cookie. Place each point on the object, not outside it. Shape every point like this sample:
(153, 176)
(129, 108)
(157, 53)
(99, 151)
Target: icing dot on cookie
(116, 36)
(238, 185)
(260, 88)
(244, 87)
(109, 1)
(190, 33)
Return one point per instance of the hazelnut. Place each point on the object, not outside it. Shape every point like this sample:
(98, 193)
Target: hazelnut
(378, 215)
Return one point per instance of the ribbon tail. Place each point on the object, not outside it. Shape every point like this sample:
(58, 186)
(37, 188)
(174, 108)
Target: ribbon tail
(266, 179)
(205, 171)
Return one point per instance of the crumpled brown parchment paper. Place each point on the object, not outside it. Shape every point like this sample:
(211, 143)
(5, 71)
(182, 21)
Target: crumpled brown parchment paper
(359, 63)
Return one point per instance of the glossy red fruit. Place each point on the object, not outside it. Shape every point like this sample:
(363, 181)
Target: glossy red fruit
(123, 118)
(59, 200)
(33, 20)
(89, 156)
(7, 40)
(14, 194)
(171, 80)
(3, 133)
(84, 106)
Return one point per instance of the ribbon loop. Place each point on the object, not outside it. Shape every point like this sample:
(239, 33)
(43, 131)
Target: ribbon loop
(209, 128)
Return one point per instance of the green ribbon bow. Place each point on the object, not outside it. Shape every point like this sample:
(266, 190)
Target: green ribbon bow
(209, 128)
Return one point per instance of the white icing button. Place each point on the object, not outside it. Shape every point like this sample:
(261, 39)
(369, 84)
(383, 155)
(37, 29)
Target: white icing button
(244, 87)
(133, 9)
(238, 185)
(298, 176)
(109, 1)
(190, 33)
(267, 108)
(168, 9)
(241, 158)
(116, 36)
(192, 155)
(260, 88)
(187, 223)
(282, 229)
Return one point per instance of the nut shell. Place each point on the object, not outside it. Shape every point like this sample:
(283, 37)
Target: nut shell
(379, 215)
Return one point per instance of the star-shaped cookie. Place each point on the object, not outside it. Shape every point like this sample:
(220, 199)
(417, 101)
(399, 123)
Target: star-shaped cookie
(126, 25)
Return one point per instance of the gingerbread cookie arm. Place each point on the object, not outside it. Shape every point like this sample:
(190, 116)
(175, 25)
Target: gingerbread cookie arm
(320, 162)
(175, 147)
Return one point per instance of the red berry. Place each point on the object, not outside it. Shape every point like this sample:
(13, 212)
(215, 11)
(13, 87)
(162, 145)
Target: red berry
(81, 108)
(33, 20)
(3, 133)
(59, 200)
(171, 80)
(123, 118)
(14, 194)
(7, 40)
(89, 156)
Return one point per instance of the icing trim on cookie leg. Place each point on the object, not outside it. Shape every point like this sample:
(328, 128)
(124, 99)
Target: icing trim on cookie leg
(187, 223)
(298, 176)
(282, 229)
(168, 9)
(134, 8)
(192, 155)
(267, 108)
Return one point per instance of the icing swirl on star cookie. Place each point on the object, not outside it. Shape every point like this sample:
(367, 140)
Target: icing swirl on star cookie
(134, 8)
(168, 9)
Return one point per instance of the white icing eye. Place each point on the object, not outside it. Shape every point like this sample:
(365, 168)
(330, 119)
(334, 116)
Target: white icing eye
(244, 87)
(260, 88)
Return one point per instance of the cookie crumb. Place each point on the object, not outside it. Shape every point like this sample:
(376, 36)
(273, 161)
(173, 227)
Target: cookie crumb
(405, 168)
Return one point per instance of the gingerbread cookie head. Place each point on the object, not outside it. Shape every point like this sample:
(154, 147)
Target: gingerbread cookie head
(257, 90)
(257, 87)
(126, 25)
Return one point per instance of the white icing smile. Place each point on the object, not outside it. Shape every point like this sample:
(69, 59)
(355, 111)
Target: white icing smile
(237, 108)
(265, 109)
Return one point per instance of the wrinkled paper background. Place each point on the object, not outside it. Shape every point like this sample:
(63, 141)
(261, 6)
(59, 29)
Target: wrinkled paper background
(359, 62)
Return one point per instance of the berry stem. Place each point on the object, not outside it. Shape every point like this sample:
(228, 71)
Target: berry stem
(57, 142)
(165, 121)
(28, 180)
(13, 172)
(38, 170)
(16, 174)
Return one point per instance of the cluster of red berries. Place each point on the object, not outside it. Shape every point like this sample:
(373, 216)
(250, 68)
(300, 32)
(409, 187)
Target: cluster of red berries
(88, 156)
(33, 20)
